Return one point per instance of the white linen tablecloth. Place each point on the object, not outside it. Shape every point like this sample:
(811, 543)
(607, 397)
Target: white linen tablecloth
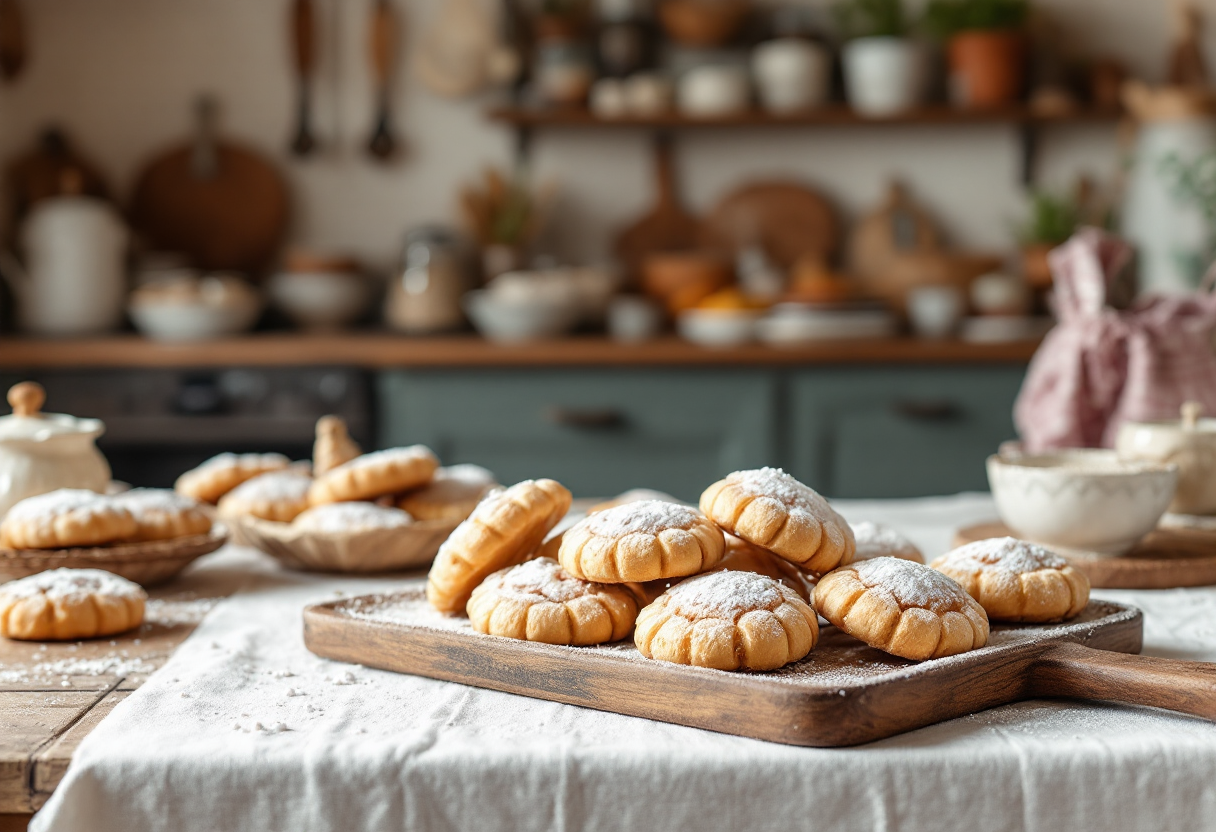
(245, 729)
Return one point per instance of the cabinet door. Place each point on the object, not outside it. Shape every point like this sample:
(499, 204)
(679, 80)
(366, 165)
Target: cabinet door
(900, 432)
(599, 432)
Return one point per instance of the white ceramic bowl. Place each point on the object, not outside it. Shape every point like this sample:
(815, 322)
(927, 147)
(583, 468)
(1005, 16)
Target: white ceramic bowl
(1083, 500)
(718, 327)
(320, 300)
(181, 321)
(511, 320)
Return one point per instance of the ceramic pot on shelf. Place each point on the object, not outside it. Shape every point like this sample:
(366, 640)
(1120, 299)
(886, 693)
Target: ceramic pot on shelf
(987, 68)
(792, 74)
(43, 452)
(883, 76)
(424, 295)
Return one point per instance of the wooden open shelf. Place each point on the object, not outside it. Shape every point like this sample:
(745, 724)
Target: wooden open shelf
(836, 115)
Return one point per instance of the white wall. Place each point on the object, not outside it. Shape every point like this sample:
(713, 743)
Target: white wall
(120, 75)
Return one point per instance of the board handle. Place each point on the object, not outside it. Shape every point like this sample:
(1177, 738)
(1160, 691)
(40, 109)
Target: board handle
(1075, 671)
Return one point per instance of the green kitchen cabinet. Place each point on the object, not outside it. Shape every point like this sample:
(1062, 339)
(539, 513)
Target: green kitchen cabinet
(597, 431)
(855, 431)
(899, 432)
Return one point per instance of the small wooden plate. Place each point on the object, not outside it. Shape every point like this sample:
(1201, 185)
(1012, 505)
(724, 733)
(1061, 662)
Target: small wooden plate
(147, 564)
(1165, 559)
(843, 693)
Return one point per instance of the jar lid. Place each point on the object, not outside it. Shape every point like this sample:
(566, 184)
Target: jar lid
(29, 423)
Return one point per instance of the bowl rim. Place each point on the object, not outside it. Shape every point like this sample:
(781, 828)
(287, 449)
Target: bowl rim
(1123, 467)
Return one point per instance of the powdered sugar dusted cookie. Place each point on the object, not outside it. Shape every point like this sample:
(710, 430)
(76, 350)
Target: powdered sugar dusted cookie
(903, 608)
(279, 496)
(375, 475)
(1017, 581)
(540, 601)
(67, 518)
(642, 541)
(728, 621)
(452, 493)
(66, 604)
(875, 540)
(771, 509)
(340, 518)
(504, 529)
(161, 514)
(224, 472)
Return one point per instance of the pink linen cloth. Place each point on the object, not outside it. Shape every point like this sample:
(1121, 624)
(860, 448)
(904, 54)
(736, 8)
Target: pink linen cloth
(1101, 367)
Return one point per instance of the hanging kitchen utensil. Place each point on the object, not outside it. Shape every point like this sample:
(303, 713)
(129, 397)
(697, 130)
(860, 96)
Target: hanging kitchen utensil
(222, 204)
(383, 52)
(666, 227)
(304, 47)
(12, 40)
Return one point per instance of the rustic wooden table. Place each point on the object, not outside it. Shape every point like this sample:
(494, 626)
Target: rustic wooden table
(53, 694)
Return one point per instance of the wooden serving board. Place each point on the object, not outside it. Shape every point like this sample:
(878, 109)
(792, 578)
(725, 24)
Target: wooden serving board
(843, 693)
(1165, 559)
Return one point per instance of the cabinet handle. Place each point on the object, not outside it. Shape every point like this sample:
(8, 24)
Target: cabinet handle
(932, 410)
(592, 418)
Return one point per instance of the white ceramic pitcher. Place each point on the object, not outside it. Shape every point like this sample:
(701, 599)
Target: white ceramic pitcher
(74, 279)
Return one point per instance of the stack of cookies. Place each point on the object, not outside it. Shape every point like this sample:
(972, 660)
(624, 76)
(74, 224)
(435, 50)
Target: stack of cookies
(343, 490)
(738, 584)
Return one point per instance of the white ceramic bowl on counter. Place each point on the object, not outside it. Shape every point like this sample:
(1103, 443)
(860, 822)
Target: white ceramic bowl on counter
(1083, 500)
(718, 327)
(507, 319)
(320, 300)
(194, 309)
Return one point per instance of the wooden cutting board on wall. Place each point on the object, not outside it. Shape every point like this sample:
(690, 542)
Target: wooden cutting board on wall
(223, 205)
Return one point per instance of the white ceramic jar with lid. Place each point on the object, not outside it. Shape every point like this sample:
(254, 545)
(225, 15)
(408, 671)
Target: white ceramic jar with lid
(1190, 443)
(41, 452)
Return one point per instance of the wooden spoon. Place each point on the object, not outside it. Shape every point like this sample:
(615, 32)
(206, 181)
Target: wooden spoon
(12, 40)
(383, 48)
(304, 45)
(666, 227)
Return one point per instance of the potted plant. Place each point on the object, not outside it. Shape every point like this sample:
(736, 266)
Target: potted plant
(1052, 220)
(883, 67)
(985, 46)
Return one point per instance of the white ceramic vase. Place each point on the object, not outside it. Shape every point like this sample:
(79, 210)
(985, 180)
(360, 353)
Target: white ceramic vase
(791, 74)
(883, 76)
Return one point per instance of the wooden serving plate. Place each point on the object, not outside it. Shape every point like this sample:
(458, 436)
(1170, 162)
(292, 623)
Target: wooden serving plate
(843, 693)
(1165, 559)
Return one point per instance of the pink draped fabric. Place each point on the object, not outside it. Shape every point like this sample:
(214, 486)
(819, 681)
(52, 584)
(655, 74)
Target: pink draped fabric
(1101, 367)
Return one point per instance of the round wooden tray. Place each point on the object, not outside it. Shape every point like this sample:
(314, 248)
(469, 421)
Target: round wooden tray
(146, 564)
(1165, 559)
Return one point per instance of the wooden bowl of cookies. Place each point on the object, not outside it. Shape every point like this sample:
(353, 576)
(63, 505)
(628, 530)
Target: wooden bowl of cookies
(145, 535)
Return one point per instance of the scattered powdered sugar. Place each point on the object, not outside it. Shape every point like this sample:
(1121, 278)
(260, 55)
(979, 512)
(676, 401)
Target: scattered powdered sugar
(875, 540)
(275, 486)
(54, 503)
(642, 517)
(912, 584)
(1006, 554)
(541, 579)
(724, 595)
(389, 456)
(349, 517)
(64, 584)
(172, 611)
(118, 663)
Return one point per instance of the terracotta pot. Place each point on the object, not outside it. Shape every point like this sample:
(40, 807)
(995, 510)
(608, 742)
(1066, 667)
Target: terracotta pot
(987, 68)
(703, 22)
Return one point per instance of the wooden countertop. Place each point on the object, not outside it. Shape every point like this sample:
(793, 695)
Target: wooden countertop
(380, 351)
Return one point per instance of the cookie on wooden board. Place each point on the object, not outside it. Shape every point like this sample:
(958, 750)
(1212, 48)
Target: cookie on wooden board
(1017, 581)
(66, 604)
